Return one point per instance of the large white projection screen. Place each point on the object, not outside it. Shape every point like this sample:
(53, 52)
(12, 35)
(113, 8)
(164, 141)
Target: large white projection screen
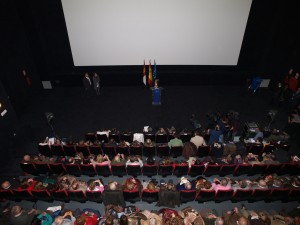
(173, 32)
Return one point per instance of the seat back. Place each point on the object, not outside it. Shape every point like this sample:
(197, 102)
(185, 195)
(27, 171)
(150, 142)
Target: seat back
(176, 151)
(205, 196)
(42, 195)
(122, 150)
(6, 195)
(115, 137)
(95, 149)
(161, 138)
(90, 137)
(110, 151)
(73, 169)
(212, 170)
(223, 195)
(187, 196)
(227, 169)
(45, 150)
(149, 196)
(127, 137)
(259, 195)
(273, 168)
(186, 137)
(57, 150)
(289, 168)
(77, 195)
(131, 196)
(24, 194)
(134, 150)
(118, 170)
(165, 170)
(196, 170)
(69, 150)
(134, 170)
(88, 169)
(163, 150)
(242, 169)
(29, 168)
(83, 149)
(294, 195)
(150, 136)
(93, 196)
(278, 194)
(203, 151)
(258, 169)
(42, 168)
(181, 170)
(149, 170)
(149, 151)
(57, 168)
(102, 138)
(103, 170)
(60, 195)
(241, 195)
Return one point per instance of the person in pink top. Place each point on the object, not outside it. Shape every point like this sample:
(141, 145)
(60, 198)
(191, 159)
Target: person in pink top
(224, 184)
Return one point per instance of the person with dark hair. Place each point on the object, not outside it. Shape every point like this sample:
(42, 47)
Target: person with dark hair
(214, 135)
(21, 217)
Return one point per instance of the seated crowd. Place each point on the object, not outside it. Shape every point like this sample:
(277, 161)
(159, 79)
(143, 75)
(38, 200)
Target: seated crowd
(117, 215)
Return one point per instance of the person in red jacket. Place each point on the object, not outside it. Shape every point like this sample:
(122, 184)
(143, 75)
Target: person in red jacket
(87, 218)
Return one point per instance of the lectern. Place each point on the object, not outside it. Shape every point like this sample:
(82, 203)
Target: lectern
(156, 95)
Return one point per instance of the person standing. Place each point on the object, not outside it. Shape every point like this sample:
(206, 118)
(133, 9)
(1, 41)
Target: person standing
(87, 84)
(96, 82)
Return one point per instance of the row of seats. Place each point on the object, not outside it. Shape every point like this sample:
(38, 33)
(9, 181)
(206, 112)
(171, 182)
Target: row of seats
(104, 137)
(283, 194)
(162, 170)
(159, 150)
(71, 150)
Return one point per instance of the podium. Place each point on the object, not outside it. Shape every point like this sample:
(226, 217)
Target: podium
(156, 95)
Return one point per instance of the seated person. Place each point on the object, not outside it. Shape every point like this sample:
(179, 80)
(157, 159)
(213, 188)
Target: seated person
(185, 184)
(27, 183)
(134, 161)
(113, 194)
(150, 185)
(119, 159)
(95, 185)
(175, 141)
(166, 161)
(150, 161)
(198, 139)
(224, 184)
(87, 218)
(132, 184)
(160, 131)
(78, 185)
(245, 184)
(202, 184)
(65, 181)
(10, 184)
(101, 160)
(149, 143)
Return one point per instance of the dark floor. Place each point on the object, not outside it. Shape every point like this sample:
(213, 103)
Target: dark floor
(131, 108)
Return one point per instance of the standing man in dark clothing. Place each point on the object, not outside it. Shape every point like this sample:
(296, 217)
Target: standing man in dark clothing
(96, 82)
(87, 84)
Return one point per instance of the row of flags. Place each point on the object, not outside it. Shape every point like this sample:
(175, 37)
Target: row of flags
(151, 75)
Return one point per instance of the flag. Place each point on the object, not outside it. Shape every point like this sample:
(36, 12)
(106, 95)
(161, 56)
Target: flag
(144, 74)
(154, 70)
(150, 78)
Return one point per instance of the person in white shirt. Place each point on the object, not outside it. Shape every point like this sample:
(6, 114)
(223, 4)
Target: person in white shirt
(198, 140)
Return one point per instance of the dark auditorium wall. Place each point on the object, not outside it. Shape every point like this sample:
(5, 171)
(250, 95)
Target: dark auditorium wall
(270, 47)
(16, 56)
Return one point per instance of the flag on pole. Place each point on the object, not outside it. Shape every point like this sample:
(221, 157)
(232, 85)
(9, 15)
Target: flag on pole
(144, 73)
(154, 70)
(150, 78)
